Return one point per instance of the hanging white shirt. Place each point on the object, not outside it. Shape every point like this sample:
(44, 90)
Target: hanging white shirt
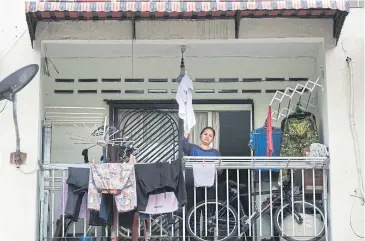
(184, 98)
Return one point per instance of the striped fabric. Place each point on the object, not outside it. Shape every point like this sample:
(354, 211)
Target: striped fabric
(186, 6)
(175, 9)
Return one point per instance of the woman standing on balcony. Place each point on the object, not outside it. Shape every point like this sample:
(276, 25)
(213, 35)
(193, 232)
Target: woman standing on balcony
(203, 149)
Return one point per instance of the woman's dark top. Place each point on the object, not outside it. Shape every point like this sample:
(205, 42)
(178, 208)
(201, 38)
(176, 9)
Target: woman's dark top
(195, 150)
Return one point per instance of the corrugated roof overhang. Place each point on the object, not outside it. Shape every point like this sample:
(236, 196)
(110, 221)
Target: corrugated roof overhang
(141, 9)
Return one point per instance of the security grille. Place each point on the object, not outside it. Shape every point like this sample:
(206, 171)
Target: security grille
(154, 132)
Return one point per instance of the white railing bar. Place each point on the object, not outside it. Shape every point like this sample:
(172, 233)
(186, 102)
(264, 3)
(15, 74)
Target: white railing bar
(271, 166)
(183, 214)
(271, 206)
(325, 203)
(65, 118)
(314, 201)
(227, 198)
(238, 203)
(85, 220)
(242, 158)
(292, 198)
(161, 220)
(172, 228)
(303, 196)
(260, 202)
(149, 222)
(42, 198)
(53, 201)
(63, 205)
(216, 204)
(219, 163)
(75, 108)
(206, 211)
(257, 165)
(223, 162)
(249, 198)
(281, 204)
(227, 165)
(195, 212)
(112, 232)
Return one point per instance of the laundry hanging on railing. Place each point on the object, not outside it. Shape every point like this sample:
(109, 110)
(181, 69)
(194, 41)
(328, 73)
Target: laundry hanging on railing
(204, 174)
(258, 141)
(117, 179)
(83, 208)
(78, 181)
(165, 202)
(157, 178)
(299, 132)
(184, 97)
(269, 141)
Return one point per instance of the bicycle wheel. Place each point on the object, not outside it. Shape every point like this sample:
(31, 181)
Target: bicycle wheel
(312, 227)
(206, 228)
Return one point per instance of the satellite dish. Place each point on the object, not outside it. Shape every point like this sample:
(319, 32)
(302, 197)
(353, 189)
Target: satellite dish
(9, 87)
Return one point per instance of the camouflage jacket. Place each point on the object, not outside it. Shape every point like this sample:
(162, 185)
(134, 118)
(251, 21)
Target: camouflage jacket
(297, 135)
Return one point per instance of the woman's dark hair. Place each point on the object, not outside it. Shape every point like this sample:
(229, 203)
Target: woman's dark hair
(208, 128)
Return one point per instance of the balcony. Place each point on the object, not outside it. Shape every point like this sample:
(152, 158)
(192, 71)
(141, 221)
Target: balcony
(259, 207)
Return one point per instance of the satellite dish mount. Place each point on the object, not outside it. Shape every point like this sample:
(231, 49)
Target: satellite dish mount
(9, 87)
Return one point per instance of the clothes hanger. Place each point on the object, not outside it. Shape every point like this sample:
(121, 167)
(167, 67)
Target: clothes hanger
(300, 112)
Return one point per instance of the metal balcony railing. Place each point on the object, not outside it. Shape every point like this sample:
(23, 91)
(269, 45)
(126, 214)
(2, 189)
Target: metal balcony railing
(257, 198)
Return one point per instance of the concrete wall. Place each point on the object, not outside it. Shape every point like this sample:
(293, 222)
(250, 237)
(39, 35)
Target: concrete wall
(19, 186)
(186, 29)
(344, 171)
(11, 30)
(20, 189)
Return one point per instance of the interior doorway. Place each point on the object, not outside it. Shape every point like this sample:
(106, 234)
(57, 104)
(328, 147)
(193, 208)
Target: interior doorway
(233, 124)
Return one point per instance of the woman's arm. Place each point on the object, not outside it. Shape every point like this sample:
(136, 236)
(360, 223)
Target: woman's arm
(185, 145)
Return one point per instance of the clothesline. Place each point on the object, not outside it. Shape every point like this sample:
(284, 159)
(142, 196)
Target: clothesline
(230, 162)
(65, 166)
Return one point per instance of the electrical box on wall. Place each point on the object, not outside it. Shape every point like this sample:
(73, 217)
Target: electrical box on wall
(22, 160)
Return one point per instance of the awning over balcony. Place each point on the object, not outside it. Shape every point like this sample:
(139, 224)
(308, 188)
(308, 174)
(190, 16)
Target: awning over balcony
(140, 9)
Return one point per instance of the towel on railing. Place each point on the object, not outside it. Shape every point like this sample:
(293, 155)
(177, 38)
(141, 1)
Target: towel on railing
(204, 175)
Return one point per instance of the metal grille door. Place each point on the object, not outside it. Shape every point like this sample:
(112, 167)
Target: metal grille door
(155, 133)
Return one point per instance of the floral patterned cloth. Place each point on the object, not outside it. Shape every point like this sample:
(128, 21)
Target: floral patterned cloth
(298, 135)
(112, 178)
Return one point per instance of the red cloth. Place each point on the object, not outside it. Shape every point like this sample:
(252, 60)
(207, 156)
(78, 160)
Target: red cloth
(269, 144)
